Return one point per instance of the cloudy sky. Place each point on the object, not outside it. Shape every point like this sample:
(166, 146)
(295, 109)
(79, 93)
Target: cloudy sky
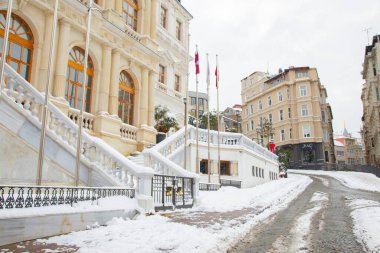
(251, 35)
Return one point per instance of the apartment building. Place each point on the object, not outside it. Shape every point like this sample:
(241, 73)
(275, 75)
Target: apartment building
(294, 102)
(371, 103)
(348, 149)
(202, 103)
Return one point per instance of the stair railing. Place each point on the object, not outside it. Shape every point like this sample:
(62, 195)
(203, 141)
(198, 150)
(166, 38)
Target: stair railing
(96, 153)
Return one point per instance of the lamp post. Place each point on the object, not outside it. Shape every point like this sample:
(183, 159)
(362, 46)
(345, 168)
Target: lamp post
(185, 123)
(259, 131)
(239, 128)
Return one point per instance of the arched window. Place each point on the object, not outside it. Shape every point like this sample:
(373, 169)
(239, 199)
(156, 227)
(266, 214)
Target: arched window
(126, 97)
(130, 9)
(20, 44)
(75, 79)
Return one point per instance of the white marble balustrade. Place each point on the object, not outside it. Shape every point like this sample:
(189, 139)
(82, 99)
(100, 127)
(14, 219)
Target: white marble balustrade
(106, 160)
(128, 132)
(88, 119)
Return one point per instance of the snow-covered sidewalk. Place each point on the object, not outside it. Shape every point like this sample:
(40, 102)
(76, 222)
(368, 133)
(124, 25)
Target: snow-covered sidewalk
(354, 180)
(230, 213)
(366, 218)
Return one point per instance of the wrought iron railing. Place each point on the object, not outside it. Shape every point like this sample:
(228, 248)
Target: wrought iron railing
(208, 187)
(37, 196)
(170, 192)
(228, 182)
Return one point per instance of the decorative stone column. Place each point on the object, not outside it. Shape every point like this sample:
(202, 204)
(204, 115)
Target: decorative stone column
(109, 4)
(144, 97)
(62, 59)
(42, 79)
(114, 83)
(147, 17)
(151, 96)
(118, 6)
(153, 21)
(105, 84)
(147, 134)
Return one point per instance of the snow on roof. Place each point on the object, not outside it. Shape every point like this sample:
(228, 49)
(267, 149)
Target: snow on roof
(338, 143)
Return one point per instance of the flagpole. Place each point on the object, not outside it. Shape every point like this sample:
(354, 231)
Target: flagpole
(186, 102)
(217, 95)
(208, 122)
(80, 120)
(197, 118)
(44, 113)
(5, 45)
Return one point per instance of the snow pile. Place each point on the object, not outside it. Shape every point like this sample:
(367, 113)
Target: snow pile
(161, 234)
(355, 180)
(366, 219)
(102, 204)
(146, 234)
(231, 198)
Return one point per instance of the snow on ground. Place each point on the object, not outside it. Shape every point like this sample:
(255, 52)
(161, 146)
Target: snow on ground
(231, 198)
(102, 204)
(355, 180)
(301, 230)
(160, 234)
(298, 238)
(324, 181)
(366, 219)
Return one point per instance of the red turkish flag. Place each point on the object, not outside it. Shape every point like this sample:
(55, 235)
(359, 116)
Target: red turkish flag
(197, 63)
(272, 147)
(216, 76)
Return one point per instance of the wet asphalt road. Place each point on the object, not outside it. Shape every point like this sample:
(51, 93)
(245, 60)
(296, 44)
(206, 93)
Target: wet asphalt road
(330, 230)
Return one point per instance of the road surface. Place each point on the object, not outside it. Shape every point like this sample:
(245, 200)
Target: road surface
(317, 221)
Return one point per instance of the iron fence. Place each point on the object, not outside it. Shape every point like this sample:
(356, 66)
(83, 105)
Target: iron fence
(234, 183)
(170, 192)
(37, 196)
(208, 187)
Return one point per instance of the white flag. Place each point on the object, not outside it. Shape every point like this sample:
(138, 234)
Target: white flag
(208, 73)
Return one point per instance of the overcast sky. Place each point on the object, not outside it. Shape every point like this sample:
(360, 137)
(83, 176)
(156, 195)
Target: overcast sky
(256, 35)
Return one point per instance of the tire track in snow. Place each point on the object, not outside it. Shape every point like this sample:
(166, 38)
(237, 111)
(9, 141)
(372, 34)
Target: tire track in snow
(299, 235)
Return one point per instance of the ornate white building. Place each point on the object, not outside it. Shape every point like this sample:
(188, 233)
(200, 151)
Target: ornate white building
(129, 48)
(173, 48)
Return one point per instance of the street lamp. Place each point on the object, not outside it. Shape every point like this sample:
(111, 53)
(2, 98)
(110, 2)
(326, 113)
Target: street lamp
(237, 121)
(259, 131)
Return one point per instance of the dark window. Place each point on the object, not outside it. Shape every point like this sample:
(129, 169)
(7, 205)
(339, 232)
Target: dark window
(225, 168)
(204, 167)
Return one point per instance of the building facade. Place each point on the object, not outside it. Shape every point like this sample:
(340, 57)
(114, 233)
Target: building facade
(231, 119)
(202, 103)
(125, 56)
(348, 150)
(173, 49)
(293, 103)
(371, 103)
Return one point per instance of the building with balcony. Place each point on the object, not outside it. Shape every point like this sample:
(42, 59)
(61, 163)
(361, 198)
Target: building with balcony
(294, 103)
(131, 57)
(348, 150)
(371, 103)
